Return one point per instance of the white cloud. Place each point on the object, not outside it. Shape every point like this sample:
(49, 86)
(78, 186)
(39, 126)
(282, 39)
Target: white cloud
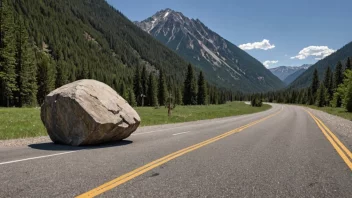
(319, 52)
(267, 63)
(264, 45)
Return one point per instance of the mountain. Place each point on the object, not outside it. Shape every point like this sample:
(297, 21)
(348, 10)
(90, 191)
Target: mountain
(289, 79)
(305, 79)
(222, 62)
(91, 39)
(283, 72)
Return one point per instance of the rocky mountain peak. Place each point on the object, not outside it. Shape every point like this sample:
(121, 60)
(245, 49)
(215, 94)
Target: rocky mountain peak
(160, 19)
(223, 62)
(283, 72)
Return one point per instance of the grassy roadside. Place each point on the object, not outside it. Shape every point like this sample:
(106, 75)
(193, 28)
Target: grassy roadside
(25, 122)
(152, 116)
(341, 112)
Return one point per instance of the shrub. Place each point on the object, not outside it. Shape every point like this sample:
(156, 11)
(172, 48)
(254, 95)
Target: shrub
(256, 102)
(348, 98)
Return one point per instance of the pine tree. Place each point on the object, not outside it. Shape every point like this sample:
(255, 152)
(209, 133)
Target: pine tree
(123, 92)
(162, 90)
(338, 75)
(61, 74)
(331, 88)
(311, 98)
(348, 98)
(137, 86)
(202, 90)
(144, 82)
(45, 76)
(344, 92)
(216, 96)
(304, 97)
(338, 79)
(115, 85)
(26, 69)
(320, 101)
(190, 88)
(72, 76)
(152, 91)
(132, 98)
(178, 99)
(7, 55)
(327, 77)
(348, 64)
(328, 83)
(84, 72)
(315, 84)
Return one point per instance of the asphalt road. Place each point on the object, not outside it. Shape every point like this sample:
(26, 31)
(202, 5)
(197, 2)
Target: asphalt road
(281, 152)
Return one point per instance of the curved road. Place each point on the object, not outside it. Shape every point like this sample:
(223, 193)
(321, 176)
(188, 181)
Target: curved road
(282, 152)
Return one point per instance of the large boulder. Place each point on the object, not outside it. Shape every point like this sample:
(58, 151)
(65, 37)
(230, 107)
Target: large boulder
(87, 112)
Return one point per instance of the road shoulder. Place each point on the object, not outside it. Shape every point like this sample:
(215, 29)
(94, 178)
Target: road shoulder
(339, 126)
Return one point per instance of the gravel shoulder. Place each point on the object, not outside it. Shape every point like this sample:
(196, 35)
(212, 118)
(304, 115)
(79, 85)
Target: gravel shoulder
(339, 126)
(24, 141)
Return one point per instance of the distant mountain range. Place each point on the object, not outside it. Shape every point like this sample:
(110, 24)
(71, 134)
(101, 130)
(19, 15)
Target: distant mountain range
(289, 73)
(305, 79)
(289, 79)
(222, 62)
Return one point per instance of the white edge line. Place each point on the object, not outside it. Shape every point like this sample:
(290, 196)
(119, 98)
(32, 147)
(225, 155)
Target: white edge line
(225, 120)
(181, 133)
(32, 158)
(133, 134)
(161, 130)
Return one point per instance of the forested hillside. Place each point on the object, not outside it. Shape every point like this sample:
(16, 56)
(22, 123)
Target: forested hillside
(45, 44)
(334, 89)
(330, 61)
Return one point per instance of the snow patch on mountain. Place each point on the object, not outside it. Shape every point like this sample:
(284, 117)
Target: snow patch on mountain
(283, 72)
(166, 14)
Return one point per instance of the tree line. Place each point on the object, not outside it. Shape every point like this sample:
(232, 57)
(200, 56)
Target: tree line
(334, 90)
(30, 69)
(18, 83)
(154, 90)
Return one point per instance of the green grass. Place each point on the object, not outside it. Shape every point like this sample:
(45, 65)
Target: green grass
(20, 122)
(152, 116)
(341, 112)
(25, 122)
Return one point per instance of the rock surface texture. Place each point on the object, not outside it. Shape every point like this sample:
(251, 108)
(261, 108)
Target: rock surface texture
(87, 112)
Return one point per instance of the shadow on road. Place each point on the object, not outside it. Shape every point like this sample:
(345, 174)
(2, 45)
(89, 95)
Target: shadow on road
(49, 146)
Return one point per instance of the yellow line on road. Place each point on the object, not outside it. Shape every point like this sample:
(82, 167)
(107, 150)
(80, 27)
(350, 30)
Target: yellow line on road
(344, 148)
(141, 170)
(341, 149)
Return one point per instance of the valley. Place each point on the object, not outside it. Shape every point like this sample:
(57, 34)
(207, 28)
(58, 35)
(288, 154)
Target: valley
(288, 74)
(112, 98)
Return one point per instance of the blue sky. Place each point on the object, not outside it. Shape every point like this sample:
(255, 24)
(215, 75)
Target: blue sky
(295, 31)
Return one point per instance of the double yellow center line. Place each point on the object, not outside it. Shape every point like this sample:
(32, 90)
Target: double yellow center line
(139, 171)
(341, 149)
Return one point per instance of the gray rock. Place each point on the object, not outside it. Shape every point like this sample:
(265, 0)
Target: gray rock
(87, 112)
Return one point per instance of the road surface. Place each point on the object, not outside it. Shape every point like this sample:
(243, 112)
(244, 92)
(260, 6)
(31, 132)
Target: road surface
(282, 152)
